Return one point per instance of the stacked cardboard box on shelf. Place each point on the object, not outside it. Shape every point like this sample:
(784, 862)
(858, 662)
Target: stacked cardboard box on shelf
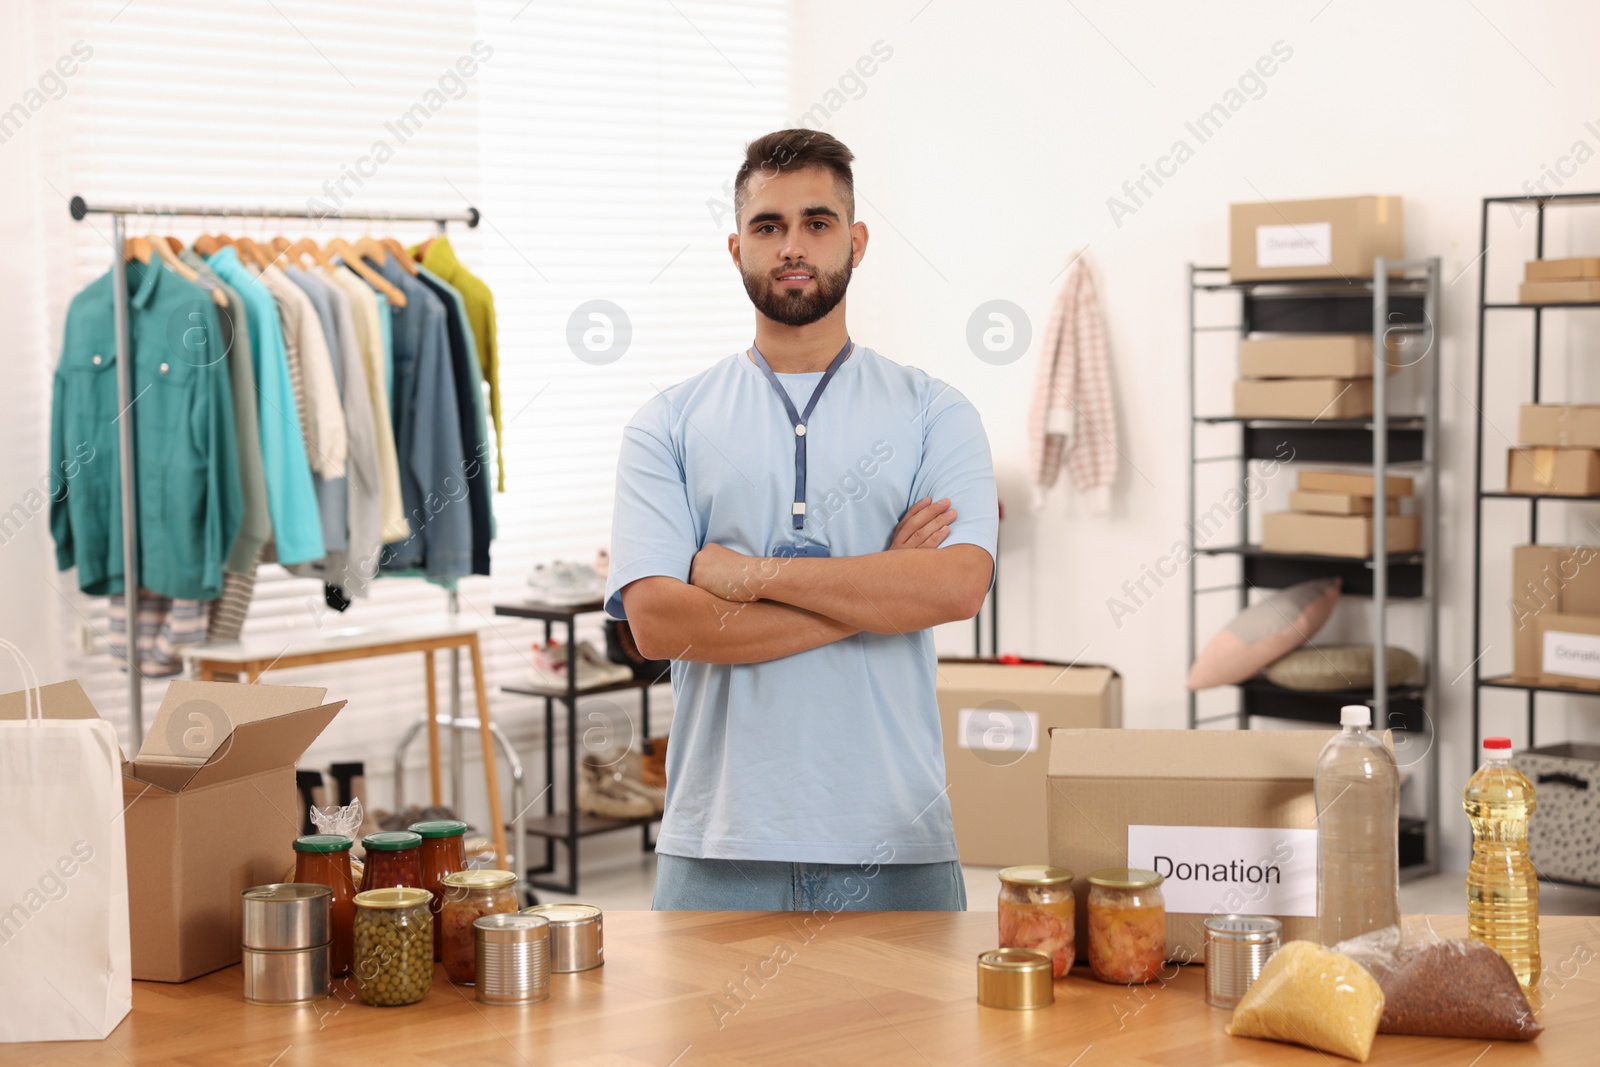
(1333, 516)
(1560, 281)
(1555, 614)
(1561, 451)
(1296, 239)
(1305, 376)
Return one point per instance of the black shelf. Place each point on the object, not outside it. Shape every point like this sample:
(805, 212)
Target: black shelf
(561, 694)
(1549, 304)
(1496, 495)
(534, 609)
(556, 826)
(1269, 701)
(1279, 570)
(1506, 681)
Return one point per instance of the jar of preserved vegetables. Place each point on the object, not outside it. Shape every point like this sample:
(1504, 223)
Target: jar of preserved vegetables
(393, 962)
(1036, 911)
(324, 859)
(442, 853)
(392, 860)
(468, 896)
(1127, 925)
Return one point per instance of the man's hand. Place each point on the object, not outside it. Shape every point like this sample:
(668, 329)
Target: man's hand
(924, 525)
(731, 575)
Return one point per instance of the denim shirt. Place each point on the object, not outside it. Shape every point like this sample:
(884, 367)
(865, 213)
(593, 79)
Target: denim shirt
(427, 429)
(187, 470)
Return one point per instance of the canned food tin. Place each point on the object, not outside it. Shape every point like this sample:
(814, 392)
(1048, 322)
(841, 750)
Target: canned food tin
(1015, 978)
(298, 976)
(577, 941)
(286, 915)
(513, 952)
(1237, 947)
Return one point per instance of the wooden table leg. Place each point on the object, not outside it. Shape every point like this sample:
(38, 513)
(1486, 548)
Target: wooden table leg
(202, 671)
(434, 777)
(491, 770)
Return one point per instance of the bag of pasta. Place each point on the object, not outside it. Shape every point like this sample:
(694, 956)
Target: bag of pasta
(1438, 987)
(1313, 996)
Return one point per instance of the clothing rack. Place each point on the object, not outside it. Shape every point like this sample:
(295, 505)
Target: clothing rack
(119, 212)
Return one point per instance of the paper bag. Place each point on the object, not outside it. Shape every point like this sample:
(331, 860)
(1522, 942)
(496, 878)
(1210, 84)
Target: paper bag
(65, 968)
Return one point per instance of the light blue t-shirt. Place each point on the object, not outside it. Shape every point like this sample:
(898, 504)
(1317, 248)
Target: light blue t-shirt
(826, 755)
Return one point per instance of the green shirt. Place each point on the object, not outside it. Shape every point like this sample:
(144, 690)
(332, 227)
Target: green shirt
(186, 464)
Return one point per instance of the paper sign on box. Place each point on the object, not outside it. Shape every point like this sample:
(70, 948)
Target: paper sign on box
(1220, 870)
(1309, 244)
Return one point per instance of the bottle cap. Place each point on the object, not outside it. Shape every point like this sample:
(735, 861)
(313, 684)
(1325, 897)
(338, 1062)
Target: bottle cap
(1355, 715)
(1497, 747)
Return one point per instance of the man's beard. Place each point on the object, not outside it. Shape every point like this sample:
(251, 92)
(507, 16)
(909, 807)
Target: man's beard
(798, 307)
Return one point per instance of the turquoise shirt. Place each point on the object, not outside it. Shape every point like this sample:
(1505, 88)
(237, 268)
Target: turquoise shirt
(190, 503)
(291, 499)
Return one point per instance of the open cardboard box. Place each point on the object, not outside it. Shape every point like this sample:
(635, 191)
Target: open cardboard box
(209, 807)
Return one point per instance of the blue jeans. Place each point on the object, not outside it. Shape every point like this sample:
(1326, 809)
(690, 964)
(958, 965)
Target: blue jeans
(686, 884)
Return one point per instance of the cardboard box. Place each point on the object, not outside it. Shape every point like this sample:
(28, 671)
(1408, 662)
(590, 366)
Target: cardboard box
(1313, 238)
(1335, 535)
(1548, 579)
(1569, 292)
(996, 719)
(1553, 471)
(214, 812)
(1569, 650)
(1309, 355)
(1357, 482)
(1302, 398)
(1562, 270)
(1336, 503)
(1560, 425)
(1104, 782)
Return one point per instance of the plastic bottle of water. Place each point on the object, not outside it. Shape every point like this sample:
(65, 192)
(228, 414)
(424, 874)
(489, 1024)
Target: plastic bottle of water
(1358, 832)
(1502, 886)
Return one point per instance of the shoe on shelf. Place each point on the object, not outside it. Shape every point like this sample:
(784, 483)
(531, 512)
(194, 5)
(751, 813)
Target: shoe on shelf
(565, 584)
(550, 666)
(604, 790)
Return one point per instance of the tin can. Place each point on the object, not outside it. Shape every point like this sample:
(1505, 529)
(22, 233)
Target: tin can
(297, 976)
(286, 915)
(577, 940)
(1237, 947)
(1015, 978)
(513, 965)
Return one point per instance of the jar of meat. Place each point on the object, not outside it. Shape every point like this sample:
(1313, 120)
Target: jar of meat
(468, 896)
(1127, 925)
(392, 860)
(442, 853)
(1036, 911)
(324, 859)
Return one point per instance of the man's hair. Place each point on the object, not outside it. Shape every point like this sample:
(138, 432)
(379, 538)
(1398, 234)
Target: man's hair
(792, 150)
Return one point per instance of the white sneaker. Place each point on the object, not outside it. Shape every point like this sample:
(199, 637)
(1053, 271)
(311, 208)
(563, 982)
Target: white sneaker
(564, 584)
(550, 665)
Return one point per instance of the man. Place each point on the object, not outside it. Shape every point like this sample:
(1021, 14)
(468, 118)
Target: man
(789, 524)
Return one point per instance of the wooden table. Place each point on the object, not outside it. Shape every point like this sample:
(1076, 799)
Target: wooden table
(683, 988)
(248, 659)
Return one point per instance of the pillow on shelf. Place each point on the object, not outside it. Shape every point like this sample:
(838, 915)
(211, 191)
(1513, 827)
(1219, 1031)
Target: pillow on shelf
(1332, 668)
(1265, 632)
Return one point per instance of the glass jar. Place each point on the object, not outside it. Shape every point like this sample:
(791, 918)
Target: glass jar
(1127, 925)
(392, 860)
(443, 852)
(393, 959)
(1036, 911)
(324, 859)
(468, 896)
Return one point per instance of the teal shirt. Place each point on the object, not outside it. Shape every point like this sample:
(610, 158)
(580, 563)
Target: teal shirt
(386, 329)
(187, 468)
(291, 499)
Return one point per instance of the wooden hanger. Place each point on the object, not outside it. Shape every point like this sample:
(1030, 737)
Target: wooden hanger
(371, 248)
(340, 247)
(137, 248)
(408, 264)
(307, 247)
(422, 249)
(254, 252)
(164, 252)
(174, 244)
(207, 245)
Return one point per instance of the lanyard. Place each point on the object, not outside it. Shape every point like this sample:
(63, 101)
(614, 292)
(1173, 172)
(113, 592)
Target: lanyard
(799, 420)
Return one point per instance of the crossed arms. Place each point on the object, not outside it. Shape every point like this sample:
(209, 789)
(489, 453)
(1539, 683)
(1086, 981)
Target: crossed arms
(748, 609)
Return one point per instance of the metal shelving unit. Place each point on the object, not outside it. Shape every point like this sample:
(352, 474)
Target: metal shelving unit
(1531, 689)
(1401, 297)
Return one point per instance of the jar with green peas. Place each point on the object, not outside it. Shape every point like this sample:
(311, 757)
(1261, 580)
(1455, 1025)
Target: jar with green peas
(393, 959)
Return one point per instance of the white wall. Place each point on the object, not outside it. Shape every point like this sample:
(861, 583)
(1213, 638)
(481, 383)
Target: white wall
(987, 146)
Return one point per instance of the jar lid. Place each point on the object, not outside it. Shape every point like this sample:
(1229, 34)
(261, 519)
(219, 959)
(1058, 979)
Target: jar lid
(511, 928)
(286, 892)
(1125, 878)
(322, 843)
(400, 897)
(1243, 928)
(1036, 874)
(439, 828)
(565, 914)
(485, 879)
(390, 841)
(1015, 978)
